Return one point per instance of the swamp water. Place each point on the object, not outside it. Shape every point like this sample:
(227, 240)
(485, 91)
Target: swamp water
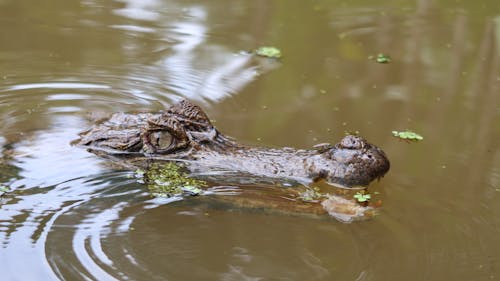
(69, 215)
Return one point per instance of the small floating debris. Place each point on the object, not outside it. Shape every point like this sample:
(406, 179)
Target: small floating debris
(351, 133)
(381, 58)
(362, 197)
(407, 135)
(4, 189)
(269, 52)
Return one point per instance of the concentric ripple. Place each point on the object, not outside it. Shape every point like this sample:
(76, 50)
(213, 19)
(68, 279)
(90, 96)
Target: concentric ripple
(65, 206)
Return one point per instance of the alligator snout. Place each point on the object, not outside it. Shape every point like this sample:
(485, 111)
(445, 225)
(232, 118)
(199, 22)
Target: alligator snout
(357, 162)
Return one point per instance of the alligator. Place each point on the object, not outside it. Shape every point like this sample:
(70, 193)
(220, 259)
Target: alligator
(184, 133)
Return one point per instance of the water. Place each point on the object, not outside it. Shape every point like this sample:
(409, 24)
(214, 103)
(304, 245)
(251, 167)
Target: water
(72, 216)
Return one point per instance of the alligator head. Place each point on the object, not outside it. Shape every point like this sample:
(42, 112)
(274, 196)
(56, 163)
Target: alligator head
(184, 132)
(351, 162)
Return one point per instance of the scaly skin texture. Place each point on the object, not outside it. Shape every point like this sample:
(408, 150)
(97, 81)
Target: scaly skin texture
(184, 133)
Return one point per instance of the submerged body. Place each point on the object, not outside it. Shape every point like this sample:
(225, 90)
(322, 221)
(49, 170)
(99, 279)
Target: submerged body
(184, 133)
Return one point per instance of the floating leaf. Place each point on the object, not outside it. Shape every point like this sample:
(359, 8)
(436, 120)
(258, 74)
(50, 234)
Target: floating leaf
(382, 58)
(362, 197)
(270, 52)
(407, 135)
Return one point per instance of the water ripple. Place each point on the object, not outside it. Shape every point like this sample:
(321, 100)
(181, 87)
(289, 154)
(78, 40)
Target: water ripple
(55, 85)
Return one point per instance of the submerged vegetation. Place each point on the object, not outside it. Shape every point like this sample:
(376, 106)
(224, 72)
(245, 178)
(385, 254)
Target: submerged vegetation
(311, 194)
(166, 180)
(361, 198)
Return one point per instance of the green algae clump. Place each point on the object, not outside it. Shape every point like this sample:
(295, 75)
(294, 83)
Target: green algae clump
(166, 180)
(270, 52)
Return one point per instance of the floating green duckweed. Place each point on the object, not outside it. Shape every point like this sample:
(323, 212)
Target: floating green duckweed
(407, 135)
(362, 197)
(381, 58)
(270, 52)
(165, 180)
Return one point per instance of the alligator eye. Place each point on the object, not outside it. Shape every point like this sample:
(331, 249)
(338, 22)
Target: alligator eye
(160, 139)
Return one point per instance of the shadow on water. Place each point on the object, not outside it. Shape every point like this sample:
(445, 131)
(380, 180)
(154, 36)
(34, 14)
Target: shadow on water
(70, 215)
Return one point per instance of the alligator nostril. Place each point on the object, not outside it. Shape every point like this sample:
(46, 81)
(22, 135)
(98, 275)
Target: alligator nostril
(352, 142)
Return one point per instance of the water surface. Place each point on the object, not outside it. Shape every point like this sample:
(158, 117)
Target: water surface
(72, 216)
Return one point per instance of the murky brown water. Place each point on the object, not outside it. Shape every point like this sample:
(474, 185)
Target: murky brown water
(71, 217)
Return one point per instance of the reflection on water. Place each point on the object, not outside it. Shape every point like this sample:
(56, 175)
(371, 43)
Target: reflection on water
(59, 85)
(70, 215)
